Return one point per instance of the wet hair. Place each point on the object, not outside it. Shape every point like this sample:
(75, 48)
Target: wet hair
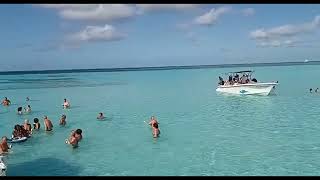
(29, 106)
(35, 120)
(101, 114)
(79, 131)
(65, 99)
(19, 108)
(17, 127)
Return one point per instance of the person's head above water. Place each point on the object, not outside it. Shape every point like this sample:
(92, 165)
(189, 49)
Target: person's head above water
(65, 100)
(17, 127)
(79, 131)
(35, 120)
(46, 117)
(29, 106)
(101, 114)
(26, 121)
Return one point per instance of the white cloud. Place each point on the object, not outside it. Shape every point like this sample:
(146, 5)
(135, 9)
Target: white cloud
(211, 17)
(96, 33)
(279, 43)
(150, 7)
(278, 36)
(109, 12)
(248, 12)
(94, 12)
(286, 30)
(106, 12)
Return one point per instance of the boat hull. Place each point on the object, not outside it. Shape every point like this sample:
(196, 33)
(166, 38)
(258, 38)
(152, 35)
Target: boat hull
(263, 89)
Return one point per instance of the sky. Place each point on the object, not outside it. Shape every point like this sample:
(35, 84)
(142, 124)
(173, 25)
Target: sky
(84, 36)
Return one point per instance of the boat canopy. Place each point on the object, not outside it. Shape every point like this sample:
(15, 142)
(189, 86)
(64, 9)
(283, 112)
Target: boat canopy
(240, 72)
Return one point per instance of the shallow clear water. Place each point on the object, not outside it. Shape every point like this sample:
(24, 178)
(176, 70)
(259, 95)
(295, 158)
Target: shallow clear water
(202, 132)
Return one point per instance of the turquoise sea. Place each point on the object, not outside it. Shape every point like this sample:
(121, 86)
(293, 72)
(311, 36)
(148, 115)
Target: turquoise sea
(202, 132)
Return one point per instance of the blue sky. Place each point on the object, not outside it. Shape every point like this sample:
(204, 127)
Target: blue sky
(64, 36)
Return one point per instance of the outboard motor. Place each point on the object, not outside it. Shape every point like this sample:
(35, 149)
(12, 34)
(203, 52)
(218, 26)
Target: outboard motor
(3, 167)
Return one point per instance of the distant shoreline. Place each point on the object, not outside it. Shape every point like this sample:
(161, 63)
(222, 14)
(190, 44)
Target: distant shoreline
(157, 68)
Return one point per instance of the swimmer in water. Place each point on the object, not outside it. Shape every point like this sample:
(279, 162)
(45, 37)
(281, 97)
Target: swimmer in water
(63, 121)
(16, 132)
(316, 90)
(153, 121)
(27, 99)
(47, 124)
(75, 137)
(4, 147)
(19, 110)
(6, 102)
(36, 124)
(155, 130)
(78, 134)
(27, 126)
(310, 90)
(100, 116)
(66, 104)
(72, 139)
(28, 109)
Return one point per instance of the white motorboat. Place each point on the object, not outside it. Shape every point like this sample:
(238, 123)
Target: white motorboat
(245, 85)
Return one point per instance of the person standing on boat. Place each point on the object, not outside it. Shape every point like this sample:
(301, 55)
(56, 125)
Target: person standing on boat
(236, 78)
(243, 79)
(230, 80)
(221, 81)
